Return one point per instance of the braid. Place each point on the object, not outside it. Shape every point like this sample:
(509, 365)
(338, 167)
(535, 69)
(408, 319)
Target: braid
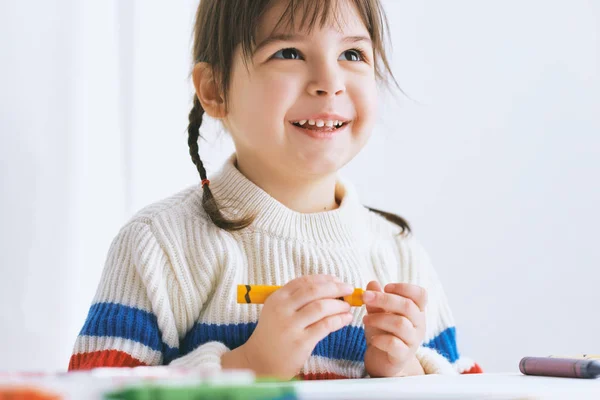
(195, 119)
(393, 218)
(208, 200)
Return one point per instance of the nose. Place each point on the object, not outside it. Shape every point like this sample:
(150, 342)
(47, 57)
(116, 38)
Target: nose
(326, 81)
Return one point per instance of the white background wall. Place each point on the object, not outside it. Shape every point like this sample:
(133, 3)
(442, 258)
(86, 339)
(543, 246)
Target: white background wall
(495, 163)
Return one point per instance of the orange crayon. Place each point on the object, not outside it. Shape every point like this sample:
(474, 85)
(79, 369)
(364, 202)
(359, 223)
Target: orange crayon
(257, 294)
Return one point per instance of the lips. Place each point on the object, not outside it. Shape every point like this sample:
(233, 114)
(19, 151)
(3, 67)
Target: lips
(323, 132)
(319, 125)
(322, 122)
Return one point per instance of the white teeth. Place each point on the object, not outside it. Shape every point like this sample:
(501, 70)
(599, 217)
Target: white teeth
(320, 123)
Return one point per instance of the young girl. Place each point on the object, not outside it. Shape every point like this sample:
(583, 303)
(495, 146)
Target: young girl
(295, 84)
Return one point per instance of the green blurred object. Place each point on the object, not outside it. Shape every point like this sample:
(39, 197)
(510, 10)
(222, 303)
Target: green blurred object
(204, 392)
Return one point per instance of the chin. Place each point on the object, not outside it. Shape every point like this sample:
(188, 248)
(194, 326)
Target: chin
(321, 164)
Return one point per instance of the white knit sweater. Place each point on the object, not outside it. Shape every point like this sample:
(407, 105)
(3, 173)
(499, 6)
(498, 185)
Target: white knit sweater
(168, 291)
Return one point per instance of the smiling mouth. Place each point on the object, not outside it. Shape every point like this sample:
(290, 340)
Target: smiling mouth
(320, 125)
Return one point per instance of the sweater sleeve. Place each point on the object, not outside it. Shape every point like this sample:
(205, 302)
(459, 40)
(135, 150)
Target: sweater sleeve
(439, 352)
(132, 321)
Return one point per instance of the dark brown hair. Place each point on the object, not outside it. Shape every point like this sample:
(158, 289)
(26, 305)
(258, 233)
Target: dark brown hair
(222, 25)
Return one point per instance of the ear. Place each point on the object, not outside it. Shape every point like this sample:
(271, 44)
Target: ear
(207, 90)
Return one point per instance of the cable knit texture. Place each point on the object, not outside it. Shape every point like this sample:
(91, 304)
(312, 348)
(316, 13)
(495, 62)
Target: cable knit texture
(168, 290)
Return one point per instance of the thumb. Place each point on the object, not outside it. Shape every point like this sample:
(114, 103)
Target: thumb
(375, 287)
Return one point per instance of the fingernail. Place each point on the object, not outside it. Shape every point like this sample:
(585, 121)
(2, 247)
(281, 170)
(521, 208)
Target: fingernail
(368, 296)
(348, 288)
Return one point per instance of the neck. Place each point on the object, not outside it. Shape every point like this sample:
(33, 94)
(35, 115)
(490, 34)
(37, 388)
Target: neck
(299, 193)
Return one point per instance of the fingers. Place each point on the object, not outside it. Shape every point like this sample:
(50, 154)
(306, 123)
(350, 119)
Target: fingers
(376, 287)
(324, 327)
(320, 309)
(283, 295)
(394, 347)
(297, 283)
(416, 293)
(393, 303)
(396, 325)
(312, 291)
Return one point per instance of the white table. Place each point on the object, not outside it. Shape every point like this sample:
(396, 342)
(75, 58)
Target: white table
(91, 386)
(477, 386)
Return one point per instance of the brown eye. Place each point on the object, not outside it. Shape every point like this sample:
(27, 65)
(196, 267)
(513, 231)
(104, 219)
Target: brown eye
(351, 55)
(287, 54)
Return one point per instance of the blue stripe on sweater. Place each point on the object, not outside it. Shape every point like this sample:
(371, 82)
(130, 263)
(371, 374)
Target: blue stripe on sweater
(117, 320)
(445, 344)
(346, 344)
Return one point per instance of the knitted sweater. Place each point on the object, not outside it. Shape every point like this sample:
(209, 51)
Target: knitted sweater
(167, 294)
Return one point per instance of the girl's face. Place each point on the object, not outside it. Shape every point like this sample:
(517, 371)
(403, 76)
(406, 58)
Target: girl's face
(304, 105)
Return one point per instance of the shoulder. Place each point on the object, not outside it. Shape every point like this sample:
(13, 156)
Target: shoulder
(177, 215)
(414, 260)
(172, 238)
(184, 204)
(174, 227)
(383, 229)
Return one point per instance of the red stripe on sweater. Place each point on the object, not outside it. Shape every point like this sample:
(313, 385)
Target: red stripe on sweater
(320, 376)
(475, 369)
(103, 358)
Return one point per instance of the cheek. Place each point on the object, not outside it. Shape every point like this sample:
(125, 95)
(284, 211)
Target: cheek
(264, 100)
(365, 97)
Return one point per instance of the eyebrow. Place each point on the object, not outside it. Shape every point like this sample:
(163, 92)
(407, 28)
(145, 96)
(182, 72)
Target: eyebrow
(290, 37)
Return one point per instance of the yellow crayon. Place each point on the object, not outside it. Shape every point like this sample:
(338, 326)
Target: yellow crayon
(257, 294)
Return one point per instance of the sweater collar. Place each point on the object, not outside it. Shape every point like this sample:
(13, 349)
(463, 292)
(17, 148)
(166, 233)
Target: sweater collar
(238, 196)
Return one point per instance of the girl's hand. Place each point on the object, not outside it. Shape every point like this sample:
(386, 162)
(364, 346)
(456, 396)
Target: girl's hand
(394, 328)
(293, 320)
